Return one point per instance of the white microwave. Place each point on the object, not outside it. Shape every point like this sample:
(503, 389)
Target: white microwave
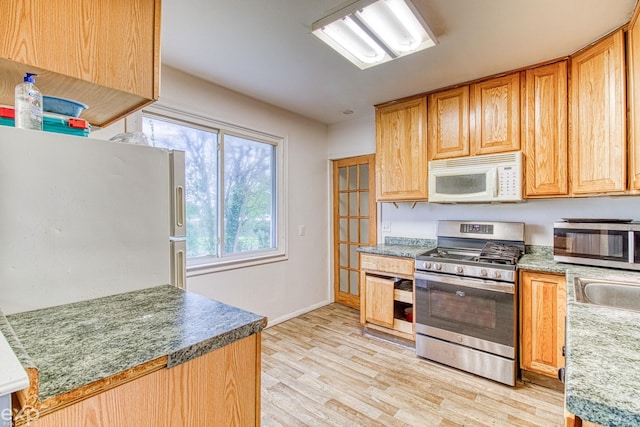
(476, 179)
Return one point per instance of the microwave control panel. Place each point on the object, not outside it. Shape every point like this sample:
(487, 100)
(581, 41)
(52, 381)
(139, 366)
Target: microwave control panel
(507, 182)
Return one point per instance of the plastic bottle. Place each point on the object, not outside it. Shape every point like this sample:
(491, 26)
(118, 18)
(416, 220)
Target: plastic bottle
(28, 104)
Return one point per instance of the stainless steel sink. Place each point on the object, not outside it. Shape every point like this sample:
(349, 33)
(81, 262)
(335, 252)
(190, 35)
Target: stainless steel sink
(624, 295)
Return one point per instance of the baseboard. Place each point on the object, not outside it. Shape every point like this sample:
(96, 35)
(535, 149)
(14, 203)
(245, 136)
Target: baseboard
(297, 313)
(543, 380)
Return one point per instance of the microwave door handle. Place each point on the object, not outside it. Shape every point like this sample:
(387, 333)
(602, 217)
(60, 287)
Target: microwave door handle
(494, 179)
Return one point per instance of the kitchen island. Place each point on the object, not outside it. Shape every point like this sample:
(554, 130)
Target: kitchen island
(183, 358)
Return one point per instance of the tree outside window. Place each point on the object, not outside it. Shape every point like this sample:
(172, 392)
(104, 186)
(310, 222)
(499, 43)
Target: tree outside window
(230, 187)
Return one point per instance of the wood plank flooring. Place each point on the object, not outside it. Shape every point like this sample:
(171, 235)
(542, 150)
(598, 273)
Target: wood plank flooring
(319, 369)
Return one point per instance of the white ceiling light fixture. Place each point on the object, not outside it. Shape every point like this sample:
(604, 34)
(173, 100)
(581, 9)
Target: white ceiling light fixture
(372, 32)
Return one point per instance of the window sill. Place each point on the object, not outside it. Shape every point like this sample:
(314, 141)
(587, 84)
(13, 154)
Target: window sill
(208, 268)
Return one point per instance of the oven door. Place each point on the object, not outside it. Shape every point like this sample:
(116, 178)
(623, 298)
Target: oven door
(472, 312)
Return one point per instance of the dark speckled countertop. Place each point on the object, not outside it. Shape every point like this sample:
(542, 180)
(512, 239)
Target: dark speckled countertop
(76, 344)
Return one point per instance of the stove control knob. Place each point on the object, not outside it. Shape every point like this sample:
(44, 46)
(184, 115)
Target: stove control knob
(484, 273)
(427, 265)
(438, 266)
(459, 269)
(496, 274)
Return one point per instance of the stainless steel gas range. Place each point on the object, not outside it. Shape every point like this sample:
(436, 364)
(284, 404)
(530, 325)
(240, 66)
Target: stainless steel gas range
(466, 298)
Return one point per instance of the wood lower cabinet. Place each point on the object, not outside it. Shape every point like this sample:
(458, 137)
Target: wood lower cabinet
(543, 301)
(633, 88)
(105, 54)
(544, 125)
(401, 151)
(448, 123)
(220, 388)
(597, 135)
(495, 115)
(387, 291)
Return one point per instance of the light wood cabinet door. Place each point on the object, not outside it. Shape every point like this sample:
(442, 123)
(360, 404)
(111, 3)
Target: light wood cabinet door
(543, 302)
(448, 123)
(103, 53)
(379, 301)
(633, 81)
(597, 134)
(401, 151)
(544, 121)
(495, 115)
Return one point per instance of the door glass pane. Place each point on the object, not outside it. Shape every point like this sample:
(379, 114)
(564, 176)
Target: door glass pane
(343, 204)
(353, 204)
(354, 256)
(364, 203)
(364, 177)
(353, 282)
(353, 177)
(344, 280)
(342, 179)
(364, 231)
(353, 230)
(344, 255)
(344, 235)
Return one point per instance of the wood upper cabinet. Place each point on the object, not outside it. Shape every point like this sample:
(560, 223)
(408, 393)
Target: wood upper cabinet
(597, 135)
(495, 115)
(633, 81)
(401, 151)
(105, 54)
(542, 312)
(544, 123)
(448, 123)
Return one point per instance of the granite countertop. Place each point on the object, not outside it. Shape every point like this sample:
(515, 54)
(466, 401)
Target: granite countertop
(77, 344)
(400, 246)
(602, 344)
(602, 355)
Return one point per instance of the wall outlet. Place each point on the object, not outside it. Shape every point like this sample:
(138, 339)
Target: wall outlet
(386, 226)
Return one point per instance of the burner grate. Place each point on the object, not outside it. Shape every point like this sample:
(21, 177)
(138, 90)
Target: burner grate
(499, 253)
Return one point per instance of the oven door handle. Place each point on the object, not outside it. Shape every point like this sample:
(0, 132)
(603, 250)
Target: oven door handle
(468, 282)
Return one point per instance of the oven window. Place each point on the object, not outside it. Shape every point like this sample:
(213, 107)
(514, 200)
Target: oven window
(484, 314)
(461, 184)
(474, 311)
(610, 245)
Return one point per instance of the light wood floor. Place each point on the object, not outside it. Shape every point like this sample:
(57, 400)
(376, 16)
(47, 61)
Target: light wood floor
(320, 370)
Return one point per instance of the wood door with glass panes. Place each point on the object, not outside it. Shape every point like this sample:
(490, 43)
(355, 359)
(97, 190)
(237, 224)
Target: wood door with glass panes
(354, 223)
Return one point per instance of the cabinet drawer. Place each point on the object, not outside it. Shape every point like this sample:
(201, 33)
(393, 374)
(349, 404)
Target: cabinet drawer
(387, 264)
(403, 296)
(403, 326)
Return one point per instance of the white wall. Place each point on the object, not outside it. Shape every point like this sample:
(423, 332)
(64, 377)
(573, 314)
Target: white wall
(279, 290)
(354, 138)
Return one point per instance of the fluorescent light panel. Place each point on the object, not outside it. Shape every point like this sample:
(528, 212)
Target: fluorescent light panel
(372, 32)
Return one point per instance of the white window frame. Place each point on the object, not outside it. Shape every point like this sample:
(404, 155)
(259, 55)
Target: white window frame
(210, 264)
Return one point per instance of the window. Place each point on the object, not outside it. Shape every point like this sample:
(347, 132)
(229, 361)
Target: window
(233, 187)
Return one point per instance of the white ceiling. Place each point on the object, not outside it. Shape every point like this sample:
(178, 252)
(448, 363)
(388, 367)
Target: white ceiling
(265, 49)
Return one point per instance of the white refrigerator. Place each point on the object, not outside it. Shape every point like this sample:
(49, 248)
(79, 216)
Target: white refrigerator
(83, 218)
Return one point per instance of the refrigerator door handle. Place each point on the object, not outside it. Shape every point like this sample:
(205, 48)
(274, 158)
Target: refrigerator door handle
(178, 210)
(179, 263)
